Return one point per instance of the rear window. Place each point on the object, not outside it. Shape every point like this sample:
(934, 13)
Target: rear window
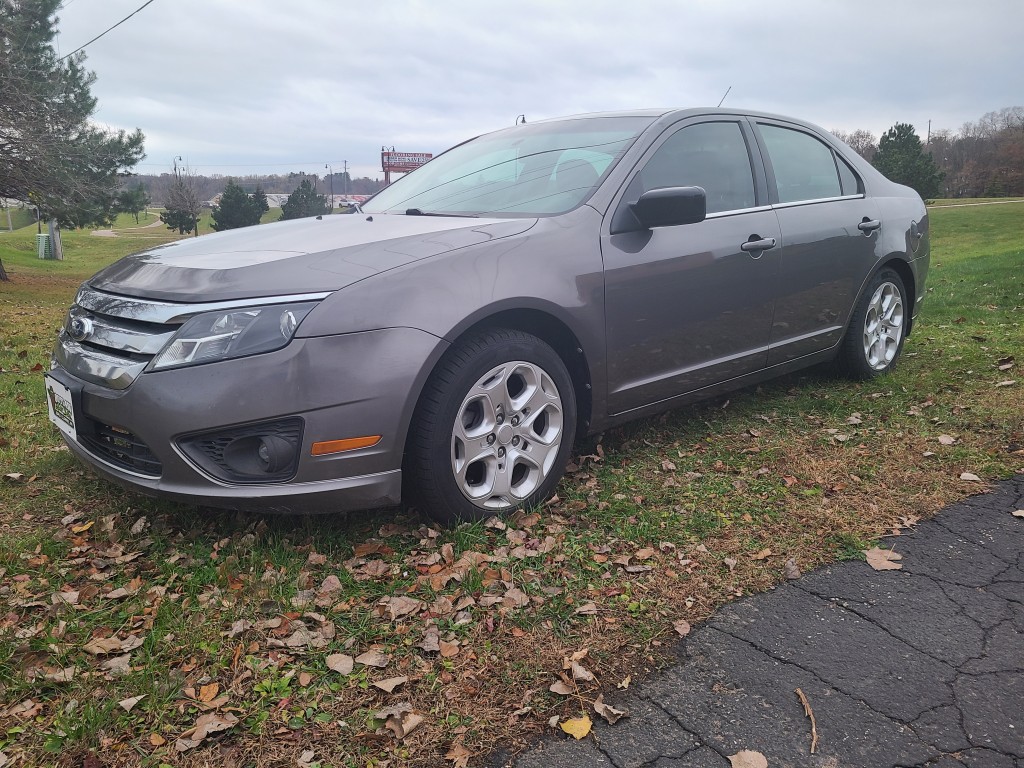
(804, 166)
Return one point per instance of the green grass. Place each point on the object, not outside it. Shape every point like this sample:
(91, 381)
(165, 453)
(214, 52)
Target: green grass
(272, 215)
(809, 467)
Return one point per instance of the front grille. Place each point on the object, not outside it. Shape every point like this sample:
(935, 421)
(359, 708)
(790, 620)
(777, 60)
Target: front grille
(109, 339)
(121, 448)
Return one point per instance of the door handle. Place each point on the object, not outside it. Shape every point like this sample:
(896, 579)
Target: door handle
(867, 226)
(755, 244)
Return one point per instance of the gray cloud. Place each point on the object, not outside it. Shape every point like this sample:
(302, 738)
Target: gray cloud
(240, 86)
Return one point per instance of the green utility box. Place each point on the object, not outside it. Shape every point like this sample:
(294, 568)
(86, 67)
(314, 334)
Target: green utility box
(43, 248)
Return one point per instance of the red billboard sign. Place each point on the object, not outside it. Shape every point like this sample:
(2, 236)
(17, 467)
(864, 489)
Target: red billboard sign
(402, 162)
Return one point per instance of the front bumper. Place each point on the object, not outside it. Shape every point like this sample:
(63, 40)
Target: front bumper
(342, 386)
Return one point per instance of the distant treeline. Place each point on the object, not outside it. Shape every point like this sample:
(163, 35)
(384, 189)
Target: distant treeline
(159, 186)
(982, 159)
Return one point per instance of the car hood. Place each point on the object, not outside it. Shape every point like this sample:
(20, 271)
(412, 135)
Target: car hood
(301, 256)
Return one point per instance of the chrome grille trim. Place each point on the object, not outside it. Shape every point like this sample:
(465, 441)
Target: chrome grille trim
(169, 313)
(125, 333)
(95, 365)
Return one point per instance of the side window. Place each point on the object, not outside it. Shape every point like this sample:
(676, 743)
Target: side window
(847, 176)
(709, 155)
(804, 167)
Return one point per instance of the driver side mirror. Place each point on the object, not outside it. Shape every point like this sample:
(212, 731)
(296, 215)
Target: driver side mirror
(670, 206)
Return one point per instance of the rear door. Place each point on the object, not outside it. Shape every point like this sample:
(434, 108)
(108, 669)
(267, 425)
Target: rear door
(687, 306)
(829, 235)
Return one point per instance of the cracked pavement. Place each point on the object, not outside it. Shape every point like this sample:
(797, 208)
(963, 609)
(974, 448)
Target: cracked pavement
(922, 666)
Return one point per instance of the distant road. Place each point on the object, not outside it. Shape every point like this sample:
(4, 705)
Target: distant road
(968, 205)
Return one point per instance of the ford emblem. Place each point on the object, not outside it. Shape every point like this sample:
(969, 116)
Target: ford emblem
(80, 328)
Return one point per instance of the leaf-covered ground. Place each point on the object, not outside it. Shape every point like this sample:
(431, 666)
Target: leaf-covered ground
(134, 632)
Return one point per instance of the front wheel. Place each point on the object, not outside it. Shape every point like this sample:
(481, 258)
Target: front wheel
(493, 429)
(877, 330)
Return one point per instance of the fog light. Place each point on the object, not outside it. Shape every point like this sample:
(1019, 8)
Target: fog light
(254, 453)
(275, 453)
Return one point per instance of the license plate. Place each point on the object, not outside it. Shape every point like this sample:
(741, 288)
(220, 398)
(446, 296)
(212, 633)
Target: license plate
(61, 407)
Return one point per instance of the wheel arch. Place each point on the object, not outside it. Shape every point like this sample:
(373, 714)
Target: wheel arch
(559, 336)
(546, 326)
(902, 268)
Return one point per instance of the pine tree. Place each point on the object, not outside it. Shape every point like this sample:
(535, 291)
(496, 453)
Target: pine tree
(51, 154)
(237, 209)
(50, 151)
(901, 157)
(304, 201)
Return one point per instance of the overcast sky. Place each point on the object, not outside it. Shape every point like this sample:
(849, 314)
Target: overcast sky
(269, 86)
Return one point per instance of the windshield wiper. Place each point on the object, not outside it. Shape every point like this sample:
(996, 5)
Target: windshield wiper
(421, 212)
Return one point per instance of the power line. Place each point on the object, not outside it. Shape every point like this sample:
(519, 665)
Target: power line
(101, 34)
(247, 165)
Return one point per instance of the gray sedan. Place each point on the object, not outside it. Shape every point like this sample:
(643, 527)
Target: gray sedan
(446, 344)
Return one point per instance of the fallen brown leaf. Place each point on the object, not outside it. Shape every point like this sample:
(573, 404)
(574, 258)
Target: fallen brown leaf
(128, 704)
(579, 672)
(682, 627)
(561, 688)
(883, 559)
(389, 685)
(608, 712)
(212, 722)
(341, 663)
(459, 755)
(748, 758)
(448, 649)
(208, 692)
(431, 641)
(65, 675)
(400, 719)
(117, 666)
(373, 658)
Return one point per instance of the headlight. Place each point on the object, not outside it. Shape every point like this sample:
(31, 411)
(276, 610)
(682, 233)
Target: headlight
(214, 336)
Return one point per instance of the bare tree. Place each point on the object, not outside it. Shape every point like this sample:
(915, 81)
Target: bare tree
(182, 204)
(860, 141)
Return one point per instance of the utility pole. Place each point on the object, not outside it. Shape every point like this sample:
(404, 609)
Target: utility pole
(344, 180)
(328, 167)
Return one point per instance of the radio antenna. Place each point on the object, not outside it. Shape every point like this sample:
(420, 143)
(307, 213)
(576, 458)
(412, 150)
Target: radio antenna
(726, 94)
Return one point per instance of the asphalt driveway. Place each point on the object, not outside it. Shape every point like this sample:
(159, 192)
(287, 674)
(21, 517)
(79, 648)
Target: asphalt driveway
(911, 667)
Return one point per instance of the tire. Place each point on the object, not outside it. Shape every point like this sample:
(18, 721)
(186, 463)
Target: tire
(493, 429)
(874, 339)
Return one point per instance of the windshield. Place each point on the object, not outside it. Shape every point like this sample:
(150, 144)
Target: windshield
(533, 170)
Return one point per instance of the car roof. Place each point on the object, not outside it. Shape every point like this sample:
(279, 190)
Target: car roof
(674, 112)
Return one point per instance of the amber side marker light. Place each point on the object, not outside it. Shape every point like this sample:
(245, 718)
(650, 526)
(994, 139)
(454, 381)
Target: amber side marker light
(348, 444)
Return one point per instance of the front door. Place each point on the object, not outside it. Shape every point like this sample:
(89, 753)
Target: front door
(688, 306)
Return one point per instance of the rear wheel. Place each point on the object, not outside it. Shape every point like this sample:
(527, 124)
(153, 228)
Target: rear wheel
(877, 330)
(494, 428)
